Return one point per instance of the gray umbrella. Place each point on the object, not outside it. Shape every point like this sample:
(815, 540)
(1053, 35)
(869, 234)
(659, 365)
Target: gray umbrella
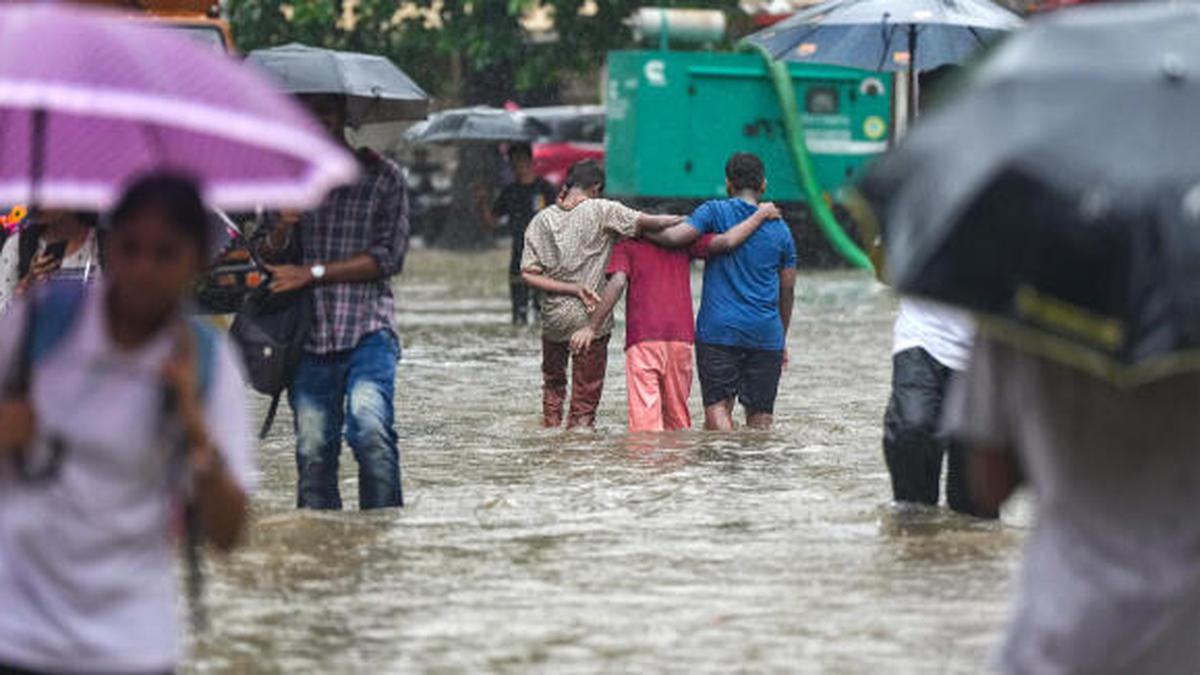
(479, 124)
(377, 91)
(1059, 193)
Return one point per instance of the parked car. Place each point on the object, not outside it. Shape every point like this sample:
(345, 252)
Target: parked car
(577, 133)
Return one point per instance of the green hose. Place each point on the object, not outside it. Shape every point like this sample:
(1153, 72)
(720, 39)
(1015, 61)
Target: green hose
(794, 127)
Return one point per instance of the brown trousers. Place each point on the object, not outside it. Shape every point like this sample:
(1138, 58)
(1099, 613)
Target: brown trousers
(587, 382)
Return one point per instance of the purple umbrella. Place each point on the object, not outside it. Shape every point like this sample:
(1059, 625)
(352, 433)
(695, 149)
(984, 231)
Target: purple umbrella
(91, 99)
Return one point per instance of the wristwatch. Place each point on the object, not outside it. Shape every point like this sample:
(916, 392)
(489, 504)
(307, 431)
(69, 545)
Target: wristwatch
(317, 272)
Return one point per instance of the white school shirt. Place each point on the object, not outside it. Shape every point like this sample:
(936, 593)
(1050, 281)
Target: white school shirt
(944, 332)
(87, 561)
(1110, 581)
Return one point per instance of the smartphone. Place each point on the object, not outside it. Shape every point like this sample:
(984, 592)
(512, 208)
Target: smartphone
(56, 250)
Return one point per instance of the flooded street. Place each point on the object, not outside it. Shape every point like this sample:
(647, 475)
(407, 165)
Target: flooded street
(530, 550)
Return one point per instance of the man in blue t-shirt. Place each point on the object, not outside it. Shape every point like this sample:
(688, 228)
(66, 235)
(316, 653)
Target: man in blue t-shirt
(746, 305)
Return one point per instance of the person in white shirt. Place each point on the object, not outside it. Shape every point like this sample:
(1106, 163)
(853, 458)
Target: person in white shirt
(1110, 581)
(24, 260)
(931, 343)
(113, 427)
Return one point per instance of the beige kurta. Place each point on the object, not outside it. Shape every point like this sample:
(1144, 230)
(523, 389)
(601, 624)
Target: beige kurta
(574, 247)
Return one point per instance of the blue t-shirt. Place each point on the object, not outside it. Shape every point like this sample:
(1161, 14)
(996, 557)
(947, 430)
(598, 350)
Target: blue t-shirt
(740, 303)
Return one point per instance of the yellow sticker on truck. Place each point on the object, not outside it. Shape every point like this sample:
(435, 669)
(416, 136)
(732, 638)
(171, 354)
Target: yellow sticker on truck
(874, 127)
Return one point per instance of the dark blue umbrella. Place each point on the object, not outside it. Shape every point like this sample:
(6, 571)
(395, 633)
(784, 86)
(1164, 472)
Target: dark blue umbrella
(898, 35)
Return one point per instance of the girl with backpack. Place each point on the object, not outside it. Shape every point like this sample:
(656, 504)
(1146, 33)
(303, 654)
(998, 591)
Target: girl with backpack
(115, 409)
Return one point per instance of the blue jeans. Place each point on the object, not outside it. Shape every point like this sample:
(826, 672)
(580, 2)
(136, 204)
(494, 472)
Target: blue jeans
(355, 389)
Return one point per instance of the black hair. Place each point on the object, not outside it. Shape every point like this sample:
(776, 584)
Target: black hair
(89, 219)
(745, 171)
(174, 196)
(523, 149)
(585, 175)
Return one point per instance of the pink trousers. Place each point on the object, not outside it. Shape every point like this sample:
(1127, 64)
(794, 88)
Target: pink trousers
(658, 376)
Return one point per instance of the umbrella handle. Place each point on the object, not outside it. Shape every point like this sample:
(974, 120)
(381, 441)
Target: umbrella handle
(37, 157)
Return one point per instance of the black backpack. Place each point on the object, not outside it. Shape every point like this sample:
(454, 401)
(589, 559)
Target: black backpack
(271, 329)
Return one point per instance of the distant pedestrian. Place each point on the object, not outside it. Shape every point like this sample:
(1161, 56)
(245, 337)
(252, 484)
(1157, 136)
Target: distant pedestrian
(931, 346)
(60, 243)
(516, 205)
(659, 324)
(350, 248)
(567, 247)
(116, 410)
(1110, 581)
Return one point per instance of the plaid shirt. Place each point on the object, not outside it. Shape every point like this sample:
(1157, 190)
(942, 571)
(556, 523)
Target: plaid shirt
(369, 216)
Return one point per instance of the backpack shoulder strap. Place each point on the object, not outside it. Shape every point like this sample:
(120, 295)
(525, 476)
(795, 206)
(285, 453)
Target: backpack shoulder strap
(49, 315)
(206, 338)
(52, 314)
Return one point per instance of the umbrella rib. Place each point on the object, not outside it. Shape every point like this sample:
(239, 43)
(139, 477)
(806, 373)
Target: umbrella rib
(887, 33)
(158, 149)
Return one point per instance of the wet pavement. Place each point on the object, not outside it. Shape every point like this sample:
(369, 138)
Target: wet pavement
(525, 550)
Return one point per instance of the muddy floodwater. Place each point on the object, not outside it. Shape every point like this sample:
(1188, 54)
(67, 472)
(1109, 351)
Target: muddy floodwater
(525, 550)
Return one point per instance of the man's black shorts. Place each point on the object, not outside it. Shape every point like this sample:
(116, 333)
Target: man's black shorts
(752, 375)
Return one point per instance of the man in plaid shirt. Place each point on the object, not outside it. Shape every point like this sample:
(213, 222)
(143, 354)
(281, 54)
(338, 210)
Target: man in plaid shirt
(351, 247)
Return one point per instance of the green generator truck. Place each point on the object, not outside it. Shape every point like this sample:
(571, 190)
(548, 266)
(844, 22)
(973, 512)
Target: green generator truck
(674, 117)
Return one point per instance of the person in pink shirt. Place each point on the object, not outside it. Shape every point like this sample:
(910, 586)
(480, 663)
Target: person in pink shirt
(659, 324)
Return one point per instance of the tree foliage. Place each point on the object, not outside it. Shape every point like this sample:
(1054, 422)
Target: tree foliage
(479, 45)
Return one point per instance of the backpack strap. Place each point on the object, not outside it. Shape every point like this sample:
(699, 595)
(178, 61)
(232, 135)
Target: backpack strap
(53, 314)
(205, 337)
(269, 420)
(49, 317)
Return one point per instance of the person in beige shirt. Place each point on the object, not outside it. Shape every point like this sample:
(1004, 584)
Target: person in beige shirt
(567, 247)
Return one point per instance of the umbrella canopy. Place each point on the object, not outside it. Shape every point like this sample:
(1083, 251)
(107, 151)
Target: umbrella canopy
(887, 34)
(479, 124)
(1062, 200)
(90, 100)
(375, 89)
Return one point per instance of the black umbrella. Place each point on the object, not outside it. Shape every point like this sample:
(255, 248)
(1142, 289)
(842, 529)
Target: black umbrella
(1059, 194)
(478, 124)
(376, 90)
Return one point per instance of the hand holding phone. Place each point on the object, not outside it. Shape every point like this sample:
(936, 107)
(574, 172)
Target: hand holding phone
(48, 261)
(56, 250)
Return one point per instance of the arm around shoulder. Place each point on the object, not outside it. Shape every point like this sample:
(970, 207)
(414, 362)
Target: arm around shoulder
(676, 236)
(738, 234)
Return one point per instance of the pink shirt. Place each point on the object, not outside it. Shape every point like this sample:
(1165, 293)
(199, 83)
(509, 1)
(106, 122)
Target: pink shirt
(658, 303)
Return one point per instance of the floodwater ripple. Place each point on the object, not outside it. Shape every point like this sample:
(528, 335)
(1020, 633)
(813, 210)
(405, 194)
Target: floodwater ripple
(531, 550)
